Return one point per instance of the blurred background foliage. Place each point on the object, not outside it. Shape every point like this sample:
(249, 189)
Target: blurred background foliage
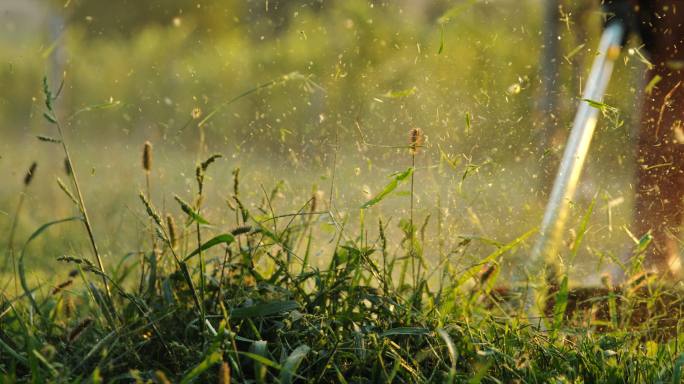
(342, 80)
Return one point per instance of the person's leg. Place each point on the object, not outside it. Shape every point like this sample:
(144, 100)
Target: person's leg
(660, 172)
(660, 154)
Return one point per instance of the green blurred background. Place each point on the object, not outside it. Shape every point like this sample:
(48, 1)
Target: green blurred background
(343, 83)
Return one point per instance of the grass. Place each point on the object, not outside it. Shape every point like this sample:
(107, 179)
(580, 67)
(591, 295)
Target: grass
(257, 287)
(259, 302)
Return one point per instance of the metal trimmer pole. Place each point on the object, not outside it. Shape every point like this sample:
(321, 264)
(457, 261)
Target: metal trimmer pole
(555, 216)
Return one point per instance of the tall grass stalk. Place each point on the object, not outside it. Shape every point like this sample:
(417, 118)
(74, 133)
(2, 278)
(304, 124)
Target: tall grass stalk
(415, 142)
(51, 117)
(200, 173)
(147, 168)
(165, 236)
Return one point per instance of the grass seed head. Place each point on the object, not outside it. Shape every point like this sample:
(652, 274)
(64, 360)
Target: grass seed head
(196, 113)
(48, 139)
(607, 281)
(173, 231)
(241, 230)
(236, 181)
(79, 328)
(67, 167)
(61, 286)
(185, 207)
(29, 174)
(147, 157)
(201, 169)
(416, 139)
(150, 209)
(487, 272)
(67, 192)
(69, 306)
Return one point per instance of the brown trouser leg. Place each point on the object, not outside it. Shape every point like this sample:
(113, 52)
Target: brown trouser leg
(659, 203)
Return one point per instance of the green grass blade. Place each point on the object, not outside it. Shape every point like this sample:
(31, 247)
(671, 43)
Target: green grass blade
(455, 10)
(260, 348)
(340, 376)
(292, 363)
(472, 271)
(264, 309)
(194, 216)
(12, 352)
(225, 238)
(400, 94)
(405, 331)
(677, 370)
(560, 305)
(398, 179)
(441, 40)
(582, 230)
(262, 360)
(451, 347)
(208, 362)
